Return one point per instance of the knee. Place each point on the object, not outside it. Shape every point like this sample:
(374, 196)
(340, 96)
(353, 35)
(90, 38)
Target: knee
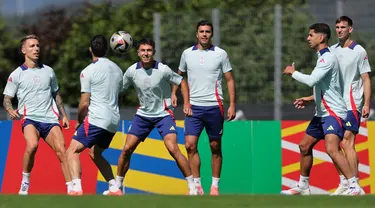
(305, 148)
(191, 148)
(61, 153)
(331, 150)
(127, 151)
(31, 148)
(215, 147)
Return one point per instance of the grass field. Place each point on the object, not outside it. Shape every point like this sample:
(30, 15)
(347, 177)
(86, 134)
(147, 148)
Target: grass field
(164, 201)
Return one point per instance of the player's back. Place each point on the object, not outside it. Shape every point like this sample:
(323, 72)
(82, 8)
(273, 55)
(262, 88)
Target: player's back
(353, 62)
(328, 91)
(105, 85)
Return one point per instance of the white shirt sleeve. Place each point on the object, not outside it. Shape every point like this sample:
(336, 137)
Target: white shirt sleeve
(12, 84)
(183, 66)
(127, 79)
(363, 63)
(85, 79)
(321, 69)
(54, 85)
(172, 76)
(225, 63)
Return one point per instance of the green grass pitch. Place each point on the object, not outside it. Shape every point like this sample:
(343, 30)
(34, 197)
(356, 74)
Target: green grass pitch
(164, 201)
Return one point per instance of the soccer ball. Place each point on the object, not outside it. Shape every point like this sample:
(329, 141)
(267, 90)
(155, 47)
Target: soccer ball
(121, 42)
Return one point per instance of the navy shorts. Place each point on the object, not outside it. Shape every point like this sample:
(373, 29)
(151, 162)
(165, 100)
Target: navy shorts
(353, 121)
(43, 128)
(209, 117)
(90, 135)
(141, 126)
(321, 126)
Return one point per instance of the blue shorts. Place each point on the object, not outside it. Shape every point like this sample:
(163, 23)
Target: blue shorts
(321, 126)
(43, 128)
(141, 126)
(90, 135)
(352, 121)
(209, 117)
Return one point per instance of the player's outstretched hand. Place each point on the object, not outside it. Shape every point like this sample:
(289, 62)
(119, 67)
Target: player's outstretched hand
(65, 123)
(174, 100)
(187, 110)
(365, 111)
(13, 114)
(231, 113)
(289, 69)
(300, 103)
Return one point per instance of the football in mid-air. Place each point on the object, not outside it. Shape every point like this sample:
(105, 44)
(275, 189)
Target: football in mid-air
(121, 42)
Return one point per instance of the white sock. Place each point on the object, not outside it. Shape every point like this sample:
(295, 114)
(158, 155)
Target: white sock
(112, 186)
(76, 185)
(25, 177)
(303, 182)
(190, 182)
(197, 181)
(69, 186)
(215, 182)
(119, 181)
(353, 181)
(343, 181)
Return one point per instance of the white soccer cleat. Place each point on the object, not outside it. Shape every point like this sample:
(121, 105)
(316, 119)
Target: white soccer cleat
(193, 192)
(340, 190)
(353, 190)
(106, 192)
(296, 191)
(24, 188)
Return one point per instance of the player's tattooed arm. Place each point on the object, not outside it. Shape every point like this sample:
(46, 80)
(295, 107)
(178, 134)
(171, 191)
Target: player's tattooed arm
(59, 103)
(7, 103)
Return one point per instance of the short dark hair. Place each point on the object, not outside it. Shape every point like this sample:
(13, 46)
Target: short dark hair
(321, 28)
(146, 41)
(27, 37)
(345, 19)
(205, 22)
(99, 45)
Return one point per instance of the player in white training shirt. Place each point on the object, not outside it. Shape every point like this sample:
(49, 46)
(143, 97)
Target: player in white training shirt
(39, 104)
(98, 115)
(328, 121)
(206, 65)
(355, 69)
(152, 81)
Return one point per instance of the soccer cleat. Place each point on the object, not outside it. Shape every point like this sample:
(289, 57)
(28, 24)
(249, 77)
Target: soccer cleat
(200, 189)
(340, 190)
(75, 193)
(214, 191)
(353, 190)
(296, 191)
(193, 192)
(24, 188)
(116, 193)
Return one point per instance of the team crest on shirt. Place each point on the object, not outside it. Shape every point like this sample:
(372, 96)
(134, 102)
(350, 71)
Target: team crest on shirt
(36, 80)
(366, 58)
(322, 60)
(10, 79)
(201, 61)
(82, 76)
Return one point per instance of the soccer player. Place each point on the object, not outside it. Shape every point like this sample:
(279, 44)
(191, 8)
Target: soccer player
(205, 65)
(152, 81)
(98, 115)
(328, 121)
(355, 69)
(39, 104)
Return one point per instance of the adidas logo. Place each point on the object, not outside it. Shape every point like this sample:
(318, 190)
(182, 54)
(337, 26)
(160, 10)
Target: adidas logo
(330, 128)
(172, 128)
(348, 123)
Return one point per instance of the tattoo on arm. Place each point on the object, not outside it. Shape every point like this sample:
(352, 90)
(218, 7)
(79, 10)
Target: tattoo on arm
(7, 102)
(59, 103)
